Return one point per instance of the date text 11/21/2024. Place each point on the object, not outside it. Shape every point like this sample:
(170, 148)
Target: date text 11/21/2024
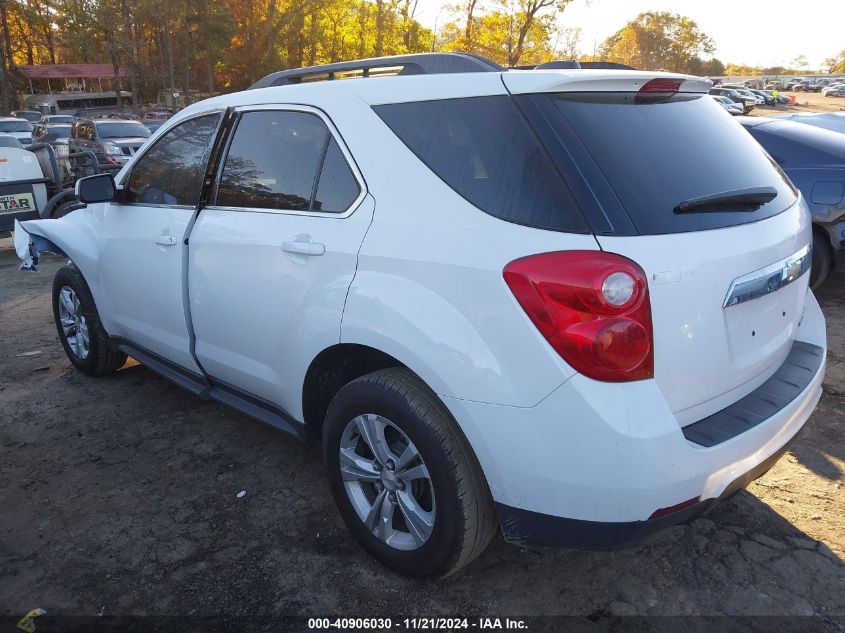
(418, 624)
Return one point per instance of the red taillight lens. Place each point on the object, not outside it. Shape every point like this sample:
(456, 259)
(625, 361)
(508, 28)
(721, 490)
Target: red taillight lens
(592, 307)
(662, 84)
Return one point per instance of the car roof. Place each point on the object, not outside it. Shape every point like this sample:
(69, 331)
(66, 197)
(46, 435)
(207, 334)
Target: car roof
(409, 88)
(13, 118)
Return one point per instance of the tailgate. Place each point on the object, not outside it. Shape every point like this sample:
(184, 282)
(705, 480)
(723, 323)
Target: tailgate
(708, 354)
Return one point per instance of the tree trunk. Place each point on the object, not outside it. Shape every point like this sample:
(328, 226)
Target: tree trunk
(130, 44)
(168, 40)
(379, 48)
(5, 66)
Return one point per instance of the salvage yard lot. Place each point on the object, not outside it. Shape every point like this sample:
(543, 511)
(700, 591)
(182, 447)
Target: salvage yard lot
(119, 496)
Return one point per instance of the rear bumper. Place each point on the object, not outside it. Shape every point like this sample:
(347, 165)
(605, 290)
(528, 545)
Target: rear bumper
(588, 466)
(533, 529)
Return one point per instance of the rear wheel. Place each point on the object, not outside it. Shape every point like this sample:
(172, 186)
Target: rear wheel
(822, 259)
(403, 476)
(82, 335)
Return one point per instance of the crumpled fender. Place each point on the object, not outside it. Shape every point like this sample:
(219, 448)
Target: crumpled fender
(70, 236)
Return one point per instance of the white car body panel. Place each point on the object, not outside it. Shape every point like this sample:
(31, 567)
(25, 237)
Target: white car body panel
(735, 348)
(415, 271)
(287, 307)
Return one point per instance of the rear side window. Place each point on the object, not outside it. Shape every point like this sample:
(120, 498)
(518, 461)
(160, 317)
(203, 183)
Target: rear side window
(288, 161)
(483, 149)
(657, 153)
(171, 171)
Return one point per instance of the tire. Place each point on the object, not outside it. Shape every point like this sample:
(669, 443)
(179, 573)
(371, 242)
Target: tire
(82, 336)
(64, 208)
(822, 259)
(456, 492)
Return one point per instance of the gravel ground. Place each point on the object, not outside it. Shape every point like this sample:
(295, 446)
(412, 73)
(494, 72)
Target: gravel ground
(118, 496)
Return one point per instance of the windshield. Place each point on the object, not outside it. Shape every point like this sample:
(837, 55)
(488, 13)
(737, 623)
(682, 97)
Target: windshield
(15, 126)
(60, 131)
(60, 118)
(121, 129)
(657, 155)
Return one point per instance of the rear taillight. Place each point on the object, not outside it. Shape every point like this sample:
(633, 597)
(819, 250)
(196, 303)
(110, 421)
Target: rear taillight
(592, 307)
(662, 84)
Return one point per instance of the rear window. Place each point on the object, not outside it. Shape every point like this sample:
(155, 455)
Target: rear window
(121, 130)
(659, 153)
(15, 126)
(483, 149)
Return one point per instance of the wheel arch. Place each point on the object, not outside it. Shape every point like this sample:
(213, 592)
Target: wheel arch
(335, 367)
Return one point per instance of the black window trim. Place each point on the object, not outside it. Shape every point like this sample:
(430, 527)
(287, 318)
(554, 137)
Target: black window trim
(146, 147)
(333, 134)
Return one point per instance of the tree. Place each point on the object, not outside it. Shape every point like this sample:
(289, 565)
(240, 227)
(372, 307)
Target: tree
(835, 64)
(658, 40)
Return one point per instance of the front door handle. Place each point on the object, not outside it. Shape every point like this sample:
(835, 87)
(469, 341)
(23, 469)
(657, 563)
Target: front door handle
(166, 240)
(310, 249)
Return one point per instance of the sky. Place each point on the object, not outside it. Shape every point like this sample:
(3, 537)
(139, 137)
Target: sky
(770, 33)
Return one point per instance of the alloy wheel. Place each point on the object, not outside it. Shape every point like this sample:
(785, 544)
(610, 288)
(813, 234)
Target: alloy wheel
(387, 482)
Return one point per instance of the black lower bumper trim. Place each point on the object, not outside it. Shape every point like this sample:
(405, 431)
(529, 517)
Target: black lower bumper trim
(526, 528)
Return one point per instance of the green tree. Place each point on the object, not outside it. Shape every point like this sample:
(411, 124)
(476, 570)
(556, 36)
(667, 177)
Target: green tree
(658, 40)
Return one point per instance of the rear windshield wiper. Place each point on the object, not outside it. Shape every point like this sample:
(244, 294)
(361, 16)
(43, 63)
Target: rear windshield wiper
(737, 200)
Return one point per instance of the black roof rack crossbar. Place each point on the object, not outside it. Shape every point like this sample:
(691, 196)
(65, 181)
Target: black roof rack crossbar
(417, 64)
(572, 64)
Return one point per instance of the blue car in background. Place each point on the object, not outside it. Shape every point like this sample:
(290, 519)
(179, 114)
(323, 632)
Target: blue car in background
(814, 159)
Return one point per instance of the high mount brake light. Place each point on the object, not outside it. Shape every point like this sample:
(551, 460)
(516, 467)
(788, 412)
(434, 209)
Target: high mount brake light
(661, 84)
(592, 307)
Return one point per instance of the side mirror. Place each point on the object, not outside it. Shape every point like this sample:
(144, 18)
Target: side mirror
(99, 188)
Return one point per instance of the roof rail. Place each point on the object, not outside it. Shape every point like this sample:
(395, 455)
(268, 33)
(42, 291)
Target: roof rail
(571, 63)
(416, 64)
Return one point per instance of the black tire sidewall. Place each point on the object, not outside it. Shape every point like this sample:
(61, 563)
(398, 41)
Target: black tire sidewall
(822, 259)
(439, 552)
(69, 277)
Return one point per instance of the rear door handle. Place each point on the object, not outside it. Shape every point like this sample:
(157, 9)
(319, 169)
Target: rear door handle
(310, 249)
(166, 240)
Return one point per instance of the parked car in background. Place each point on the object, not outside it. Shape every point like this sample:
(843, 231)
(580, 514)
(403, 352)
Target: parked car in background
(29, 115)
(53, 133)
(746, 93)
(57, 118)
(20, 128)
(639, 343)
(731, 106)
(767, 98)
(833, 121)
(837, 91)
(159, 116)
(814, 159)
(152, 126)
(111, 140)
(10, 141)
(747, 103)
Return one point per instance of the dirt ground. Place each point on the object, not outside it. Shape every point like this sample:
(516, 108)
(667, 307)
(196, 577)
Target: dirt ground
(118, 496)
(804, 102)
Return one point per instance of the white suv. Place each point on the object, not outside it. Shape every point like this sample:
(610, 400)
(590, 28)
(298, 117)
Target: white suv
(571, 305)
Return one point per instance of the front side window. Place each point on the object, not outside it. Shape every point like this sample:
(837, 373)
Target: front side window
(288, 161)
(171, 172)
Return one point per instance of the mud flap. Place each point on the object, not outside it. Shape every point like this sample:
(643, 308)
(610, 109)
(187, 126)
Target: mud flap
(29, 248)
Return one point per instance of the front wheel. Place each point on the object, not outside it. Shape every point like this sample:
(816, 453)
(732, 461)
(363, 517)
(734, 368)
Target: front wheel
(403, 476)
(82, 335)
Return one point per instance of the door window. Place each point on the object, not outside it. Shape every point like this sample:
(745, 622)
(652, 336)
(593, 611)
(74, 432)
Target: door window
(171, 172)
(286, 160)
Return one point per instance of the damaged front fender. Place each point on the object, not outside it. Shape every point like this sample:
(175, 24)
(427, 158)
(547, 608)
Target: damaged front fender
(30, 246)
(70, 236)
